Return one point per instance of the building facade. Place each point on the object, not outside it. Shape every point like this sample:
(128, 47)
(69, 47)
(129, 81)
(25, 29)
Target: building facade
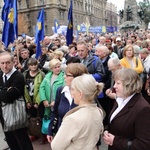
(111, 15)
(94, 10)
(98, 12)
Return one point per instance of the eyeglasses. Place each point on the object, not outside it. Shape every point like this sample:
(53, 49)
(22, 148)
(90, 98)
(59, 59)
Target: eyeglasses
(69, 75)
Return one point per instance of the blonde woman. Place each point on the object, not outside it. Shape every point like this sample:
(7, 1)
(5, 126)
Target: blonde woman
(48, 88)
(83, 125)
(130, 61)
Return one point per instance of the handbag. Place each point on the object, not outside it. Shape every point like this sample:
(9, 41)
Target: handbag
(14, 114)
(45, 125)
(34, 126)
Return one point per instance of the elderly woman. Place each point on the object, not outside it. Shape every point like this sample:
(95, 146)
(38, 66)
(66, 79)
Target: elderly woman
(48, 88)
(129, 123)
(64, 102)
(81, 126)
(129, 61)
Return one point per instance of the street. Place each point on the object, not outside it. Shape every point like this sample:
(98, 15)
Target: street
(37, 145)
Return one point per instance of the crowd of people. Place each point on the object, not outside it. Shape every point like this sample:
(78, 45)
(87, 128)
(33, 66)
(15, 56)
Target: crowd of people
(97, 87)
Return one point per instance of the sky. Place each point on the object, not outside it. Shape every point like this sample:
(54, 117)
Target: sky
(120, 3)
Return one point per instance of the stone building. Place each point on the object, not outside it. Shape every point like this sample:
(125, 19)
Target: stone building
(94, 10)
(111, 15)
(1, 22)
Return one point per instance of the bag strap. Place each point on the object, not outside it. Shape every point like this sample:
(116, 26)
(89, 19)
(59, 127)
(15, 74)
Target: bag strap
(129, 143)
(136, 62)
(59, 97)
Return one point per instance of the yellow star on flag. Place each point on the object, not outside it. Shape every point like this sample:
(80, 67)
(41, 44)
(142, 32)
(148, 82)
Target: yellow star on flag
(11, 16)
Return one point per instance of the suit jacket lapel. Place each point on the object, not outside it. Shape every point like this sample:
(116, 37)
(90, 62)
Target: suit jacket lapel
(113, 109)
(127, 107)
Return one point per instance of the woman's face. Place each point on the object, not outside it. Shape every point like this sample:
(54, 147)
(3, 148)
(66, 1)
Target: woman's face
(56, 69)
(129, 52)
(119, 88)
(68, 79)
(33, 67)
(76, 95)
(72, 50)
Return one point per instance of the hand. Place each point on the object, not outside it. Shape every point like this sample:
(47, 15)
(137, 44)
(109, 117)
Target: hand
(49, 138)
(110, 94)
(52, 104)
(29, 105)
(36, 106)
(108, 138)
(46, 103)
(19, 66)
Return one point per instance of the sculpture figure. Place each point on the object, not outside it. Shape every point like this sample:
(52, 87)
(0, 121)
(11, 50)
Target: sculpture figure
(129, 13)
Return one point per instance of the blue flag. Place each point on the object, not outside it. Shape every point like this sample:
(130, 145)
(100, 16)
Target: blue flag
(69, 34)
(10, 19)
(39, 32)
(56, 26)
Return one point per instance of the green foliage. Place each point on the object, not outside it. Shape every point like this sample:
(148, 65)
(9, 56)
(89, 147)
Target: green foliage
(145, 9)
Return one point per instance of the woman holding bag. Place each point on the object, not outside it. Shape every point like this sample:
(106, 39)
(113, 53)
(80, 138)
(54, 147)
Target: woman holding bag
(33, 78)
(48, 88)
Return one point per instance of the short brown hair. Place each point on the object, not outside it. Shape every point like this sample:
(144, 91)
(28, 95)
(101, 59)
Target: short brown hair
(32, 61)
(76, 69)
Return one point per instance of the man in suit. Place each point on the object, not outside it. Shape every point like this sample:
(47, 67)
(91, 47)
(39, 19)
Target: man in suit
(11, 88)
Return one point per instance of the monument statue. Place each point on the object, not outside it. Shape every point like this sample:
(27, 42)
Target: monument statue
(129, 13)
(121, 13)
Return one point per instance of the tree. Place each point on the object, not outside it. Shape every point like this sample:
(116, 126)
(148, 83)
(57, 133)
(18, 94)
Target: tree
(144, 11)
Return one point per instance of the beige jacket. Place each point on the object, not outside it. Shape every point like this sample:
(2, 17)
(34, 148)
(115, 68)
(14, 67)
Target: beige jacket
(80, 129)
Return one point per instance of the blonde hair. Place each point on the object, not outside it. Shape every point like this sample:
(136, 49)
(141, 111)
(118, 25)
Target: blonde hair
(126, 48)
(130, 79)
(59, 54)
(53, 63)
(88, 86)
(145, 51)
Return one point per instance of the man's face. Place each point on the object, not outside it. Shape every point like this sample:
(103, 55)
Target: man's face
(6, 63)
(100, 53)
(143, 56)
(82, 51)
(24, 54)
(46, 41)
(57, 43)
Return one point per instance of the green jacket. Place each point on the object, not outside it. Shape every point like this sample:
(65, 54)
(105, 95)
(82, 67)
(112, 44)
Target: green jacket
(37, 81)
(45, 92)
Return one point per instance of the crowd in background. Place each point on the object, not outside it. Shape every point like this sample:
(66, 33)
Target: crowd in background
(100, 54)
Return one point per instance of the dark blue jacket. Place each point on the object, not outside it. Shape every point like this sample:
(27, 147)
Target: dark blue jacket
(95, 67)
(61, 107)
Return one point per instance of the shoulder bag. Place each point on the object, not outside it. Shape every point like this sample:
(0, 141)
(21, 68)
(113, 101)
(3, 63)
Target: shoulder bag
(14, 114)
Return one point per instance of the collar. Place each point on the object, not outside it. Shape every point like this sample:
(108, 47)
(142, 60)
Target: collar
(67, 94)
(121, 101)
(65, 89)
(10, 73)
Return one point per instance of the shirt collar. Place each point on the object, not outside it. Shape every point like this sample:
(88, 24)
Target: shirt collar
(121, 101)
(10, 73)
